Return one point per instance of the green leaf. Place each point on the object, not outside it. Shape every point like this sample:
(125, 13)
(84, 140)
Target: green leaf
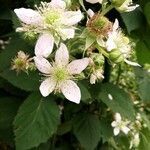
(16, 44)
(24, 81)
(143, 51)
(147, 12)
(143, 78)
(28, 82)
(132, 20)
(144, 140)
(36, 121)
(106, 130)
(87, 130)
(85, 93)
(120, 101)
(8, 111)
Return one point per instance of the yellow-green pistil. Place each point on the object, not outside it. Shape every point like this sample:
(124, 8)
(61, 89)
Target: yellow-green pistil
(60, 74)
(51, 16)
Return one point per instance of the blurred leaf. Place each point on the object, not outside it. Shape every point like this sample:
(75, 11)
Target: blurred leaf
(143, 50)
(144, 140)
(106, 130)
(143, 78)
(120, 101)
(147, 12)
(8, 111)
(133, 20)
(36, 121)
(87, 130)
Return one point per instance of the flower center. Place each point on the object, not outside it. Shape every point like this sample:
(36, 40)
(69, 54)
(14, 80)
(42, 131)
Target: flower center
(51, 16)
(60, 74)
(99, 25)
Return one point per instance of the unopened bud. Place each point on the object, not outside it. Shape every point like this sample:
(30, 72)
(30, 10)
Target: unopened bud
(98, 59)
(116, 56)
(118, 3)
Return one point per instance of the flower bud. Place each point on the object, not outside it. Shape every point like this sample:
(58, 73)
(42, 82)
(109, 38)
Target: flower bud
(118, 3)
(98, 59)
(22, 62)
(116, 56)
(99, 25)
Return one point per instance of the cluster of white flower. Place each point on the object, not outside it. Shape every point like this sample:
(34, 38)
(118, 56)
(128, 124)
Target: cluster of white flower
(53, 24)
(127, 127)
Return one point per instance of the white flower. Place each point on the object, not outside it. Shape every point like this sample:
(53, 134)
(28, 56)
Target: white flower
(119, 125)
(52, 21)
(127, 6)
(117, 40)
(94, 1)
(60, 73)
(135, 141)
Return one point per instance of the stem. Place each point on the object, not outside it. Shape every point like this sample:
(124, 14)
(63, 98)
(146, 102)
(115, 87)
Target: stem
(105, 11)
(119, 73)
(107, 71)
(101, 50)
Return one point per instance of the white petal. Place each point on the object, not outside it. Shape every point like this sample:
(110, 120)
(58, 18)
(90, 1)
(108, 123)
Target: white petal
(57, 4)
(94, 1)
(44, 45)
(77, 66)
(110, 44)
(132, 63)
(114, 124)
(28, 16)
(42, 65)
(131, 8)
(71, 91)
(47, 86)
(115, 25)
(72, 17)
(90, 12)
(116, 131)
(62, 55)
(118, 117)
(67, 33)
(125, 129)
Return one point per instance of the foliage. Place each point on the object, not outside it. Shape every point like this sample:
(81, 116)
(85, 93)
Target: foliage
(108, 85)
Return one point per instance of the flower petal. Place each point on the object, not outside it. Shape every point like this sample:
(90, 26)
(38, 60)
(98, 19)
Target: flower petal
(72, 17)
(77, 66)
(94, 1)
(62, 55)
(42, 64)
(67, 33)
(47, 86)
(44, 45)
(114, 124)
(90, 12)
(28, 16)
(115, 25)
(110, 44)
(125, 129)
(71, 91)
(132, 63)
(57, 4)
(116, 131)
(118, 117)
